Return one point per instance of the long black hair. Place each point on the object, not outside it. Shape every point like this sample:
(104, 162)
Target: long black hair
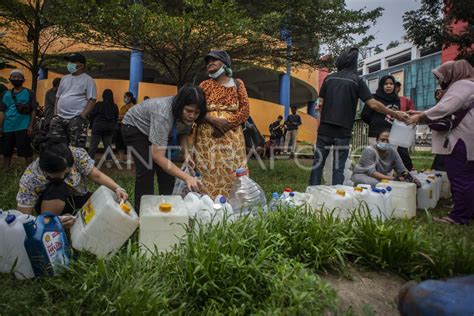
(55, 157)
(189, 95)
(132, 98)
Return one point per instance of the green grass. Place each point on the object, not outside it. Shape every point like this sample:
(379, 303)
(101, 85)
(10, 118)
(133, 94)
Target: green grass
(267, 266)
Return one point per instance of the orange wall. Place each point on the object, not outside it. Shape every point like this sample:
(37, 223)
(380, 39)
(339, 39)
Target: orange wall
(262, 112)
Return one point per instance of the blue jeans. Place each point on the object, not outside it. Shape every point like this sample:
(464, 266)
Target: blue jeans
(341, 152)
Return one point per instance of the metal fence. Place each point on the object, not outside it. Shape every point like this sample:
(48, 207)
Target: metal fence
(360, 134)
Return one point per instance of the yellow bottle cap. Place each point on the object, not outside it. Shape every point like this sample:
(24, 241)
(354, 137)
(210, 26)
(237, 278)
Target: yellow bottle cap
(358, 189)
(125, 207)
(384, 181)
(341, 192)
(165, 207)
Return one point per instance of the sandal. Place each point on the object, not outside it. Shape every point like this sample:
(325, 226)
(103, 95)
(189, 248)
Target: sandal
(445, 220)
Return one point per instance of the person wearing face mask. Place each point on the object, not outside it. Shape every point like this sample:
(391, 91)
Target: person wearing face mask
(386, 95)
(153, 129)
(220, 142)
(456, 78)
(75, 100)
(18, 108)
(128, 102)
(57, 181)
(378, 161)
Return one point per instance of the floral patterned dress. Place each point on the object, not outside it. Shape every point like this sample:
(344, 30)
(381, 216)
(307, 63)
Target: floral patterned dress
(217, 158)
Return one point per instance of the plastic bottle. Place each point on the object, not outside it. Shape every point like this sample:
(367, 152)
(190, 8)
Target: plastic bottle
(192, 200)
(246, 195)
(274, 203)
(206, 214)
(46, 244)
(226, 208)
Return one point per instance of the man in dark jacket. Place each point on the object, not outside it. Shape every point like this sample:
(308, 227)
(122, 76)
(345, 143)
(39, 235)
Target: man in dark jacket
(338, 100)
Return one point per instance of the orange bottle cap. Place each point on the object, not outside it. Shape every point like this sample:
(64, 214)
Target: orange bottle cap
(165, 207)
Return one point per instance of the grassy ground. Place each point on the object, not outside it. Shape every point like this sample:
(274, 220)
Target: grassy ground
(269, 266)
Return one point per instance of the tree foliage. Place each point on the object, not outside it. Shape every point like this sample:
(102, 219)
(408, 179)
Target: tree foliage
(392, 44)
(177, 34)
(30, 33)
(431, 25)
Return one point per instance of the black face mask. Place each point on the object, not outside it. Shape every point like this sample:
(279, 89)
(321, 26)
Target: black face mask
(17, 82)
(55, 180)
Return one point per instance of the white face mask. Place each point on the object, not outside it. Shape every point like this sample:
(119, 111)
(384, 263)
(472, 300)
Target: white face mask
(217, 74)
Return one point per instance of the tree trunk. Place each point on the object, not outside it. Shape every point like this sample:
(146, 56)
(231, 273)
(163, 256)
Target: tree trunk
(35, 58)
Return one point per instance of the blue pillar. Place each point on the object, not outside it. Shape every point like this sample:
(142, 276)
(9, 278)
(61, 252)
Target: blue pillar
(136, 71)
(311, 108)
(285, 79)
(285, 93)
(42, 73)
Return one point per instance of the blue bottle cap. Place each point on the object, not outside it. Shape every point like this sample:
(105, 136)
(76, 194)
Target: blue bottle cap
(241, 171)
(292, 194)
(197, 174)
(389, 189)
(383, 191)
(275, 195)
(222, 200)
(376, 190)
(10, 219)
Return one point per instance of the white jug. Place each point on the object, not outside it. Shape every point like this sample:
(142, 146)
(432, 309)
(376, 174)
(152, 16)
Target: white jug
(104, 224)
(339, 203)
(401, 134)
(13, 255)
(163, 221)
(403, 198)
(426, 195)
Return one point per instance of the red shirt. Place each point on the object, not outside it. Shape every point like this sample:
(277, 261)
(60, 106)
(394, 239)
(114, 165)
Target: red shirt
(406, 104)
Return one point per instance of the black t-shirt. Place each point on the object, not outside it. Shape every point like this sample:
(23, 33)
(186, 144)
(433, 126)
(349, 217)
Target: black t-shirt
(292, 122)
(341, 92)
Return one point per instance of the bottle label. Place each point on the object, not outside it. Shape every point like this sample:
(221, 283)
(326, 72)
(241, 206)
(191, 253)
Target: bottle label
(53, 244)
(87, 213)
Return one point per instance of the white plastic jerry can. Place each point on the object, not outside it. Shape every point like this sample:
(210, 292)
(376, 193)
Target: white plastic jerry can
(13, 255)
(340, 203)
(163, 221)
(426, 195)
(104, 224)
(403, 198)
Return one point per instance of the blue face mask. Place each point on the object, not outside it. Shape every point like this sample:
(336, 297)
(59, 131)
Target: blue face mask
(71, 67)
(384, 146)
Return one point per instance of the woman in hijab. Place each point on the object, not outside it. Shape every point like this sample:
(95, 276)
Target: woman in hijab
(219, 142)
(457, 79)
(104, 118)
(386, 95)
